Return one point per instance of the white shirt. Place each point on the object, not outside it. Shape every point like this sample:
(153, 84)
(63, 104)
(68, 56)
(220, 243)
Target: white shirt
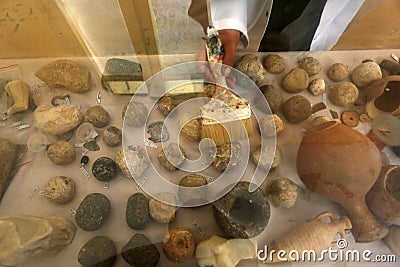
(248, 18)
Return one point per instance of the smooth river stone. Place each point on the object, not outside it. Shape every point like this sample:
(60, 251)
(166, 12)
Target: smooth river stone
(99, 251)
(57, 120)
(242, 214)
(137, 211)
(65, 73)
(104, 169)
(93, 212)
(97, 116)
(8, 155)
(140, 252)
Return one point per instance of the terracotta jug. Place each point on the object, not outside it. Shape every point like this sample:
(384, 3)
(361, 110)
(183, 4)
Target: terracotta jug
(342, 165)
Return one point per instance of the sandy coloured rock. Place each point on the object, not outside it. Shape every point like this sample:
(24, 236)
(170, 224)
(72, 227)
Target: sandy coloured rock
(137, 161)
(166, 104)
(295, 81)
(343, 94)
(297, 109)
(271, 125)
(228, 156)
(61, 153)
(8, 155)
(65, 73)
(317, 86)
(366, 73)
(57, 120)
(171, 157)
(135, 114)
(19, 91)
(338, 72)
(250, 65)
(112, 136)
(318, 120)
(274, 63)
(282, 192)
(60, 189)
(266, 157)
(188, 194)
(311, 65)
(274, 98)
(97, 116)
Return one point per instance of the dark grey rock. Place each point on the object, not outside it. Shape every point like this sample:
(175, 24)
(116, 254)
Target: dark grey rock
(93, 212)
(104, 169)
(118, 69)
(99, 251)
(137, 211)
(112, 136)
(8, 155)
(242, 214)
(140, 252)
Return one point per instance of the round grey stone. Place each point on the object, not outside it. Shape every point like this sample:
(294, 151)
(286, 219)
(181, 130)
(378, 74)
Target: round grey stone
(93, 212)
(137, 211)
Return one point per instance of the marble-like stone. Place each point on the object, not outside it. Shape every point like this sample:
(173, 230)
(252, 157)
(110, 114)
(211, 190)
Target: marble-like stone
(137, 211)
(179, 245)
(65, 73)
(61, 153)
(104, 169)
(140, 252)
(162, 212)
(282, 192)
(97, 116)
(8, 155)
(60, 189)
(242, 214)
(93, 212)
(57, 120)
(171, 157)
(100, 251)
(137, 161)
(112, 136)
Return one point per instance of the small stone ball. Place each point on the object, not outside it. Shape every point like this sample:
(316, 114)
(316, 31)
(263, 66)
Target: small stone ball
(179, 245)
(104, 169)
(366, 73)
(317, 86)
(135, 114)
(311, 65)
(274, 63)
(295, 81)
(97, 116)
(338, 72)
(274, 97)
(297, 109)
(60, 189)
(343, 94)
(61, 153)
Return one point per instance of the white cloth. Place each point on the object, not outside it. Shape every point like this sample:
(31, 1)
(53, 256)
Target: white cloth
(245, 16)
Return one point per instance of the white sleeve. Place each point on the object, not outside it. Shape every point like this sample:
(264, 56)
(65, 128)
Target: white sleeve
(230, 14)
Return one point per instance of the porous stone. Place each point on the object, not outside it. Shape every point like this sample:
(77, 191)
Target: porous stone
(311, 65)
(140, 252)
(343, 94)
(262, 157)
(100, 251)
(104, 169)
(166, 104)
(295, 81)
(366, 73)
(161, 211)
(93, 212)
(338, 72)
(137, 211)
(189, 197)
(282, 192)
(8, 155)
(297, 109)
(137, 161)
(60, 189)
(274, 63)
(241, 213)
(274, 97)
(250, 65)
(97, 116)
(317, 86)
(171, 157)
(179, 245)
(271, 125)
(135, 114)
(65, 73)
(227, 156)
(57, 120)
(61, 153)
(112, 136)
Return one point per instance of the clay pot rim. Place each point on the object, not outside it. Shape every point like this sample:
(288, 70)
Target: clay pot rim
(323, 126)
(390, 169)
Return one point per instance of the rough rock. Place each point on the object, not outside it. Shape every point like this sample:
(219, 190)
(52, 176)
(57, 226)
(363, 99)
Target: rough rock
(242, 214)
(65, 73)
(295, 81)
(93, 212)
(135, 114)
(8, 155)
(171, 157)
(271, 126)
(311, 65)
(137, 161)
(104, 169)
(61, 153)
(112, 136)
(274, 97)
(99, 251)
(366, 73)
(317, 86)
(97, 116)
(140, 252)
(188, 196)
(60, 189)
(20, 92)
(262, 157)
(137, 211)
(250, 65)
(343, 94)
(166, 104)
(297, 109)
(282, 192)
(338, 72)
(57, 120)
(118, 69)
(274, 63)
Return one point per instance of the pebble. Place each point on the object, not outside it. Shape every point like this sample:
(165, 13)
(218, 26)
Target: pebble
(97, 116)
(60, 189)
(104, 169)
(162, 212)
(93, 211)
(191, 129)
(137, 211)
(295, 81)
(171, 157)
(263, 160)
(99, 251)
(224, 159)
(135, 114)
(138, 161)
(338, 72)
(274, 63)
(179, 245)
(282, 192)
(166, 104)
(365, 74)
(297, 109)
(311, 65)
(317, 86)
(271, 126)
(61, 153)
(274, 97)
(112, 136)
(242, 214)
(250, 65)
(57, 120)
(140, 252)
(189, 197)
(70, 74)
(343, 94)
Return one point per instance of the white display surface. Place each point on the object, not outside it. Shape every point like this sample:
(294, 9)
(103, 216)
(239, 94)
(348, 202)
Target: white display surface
(41, 169)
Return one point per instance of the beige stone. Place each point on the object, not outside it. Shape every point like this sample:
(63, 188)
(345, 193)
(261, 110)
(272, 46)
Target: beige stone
(162, 212)
(58, 120)
(19, 91)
